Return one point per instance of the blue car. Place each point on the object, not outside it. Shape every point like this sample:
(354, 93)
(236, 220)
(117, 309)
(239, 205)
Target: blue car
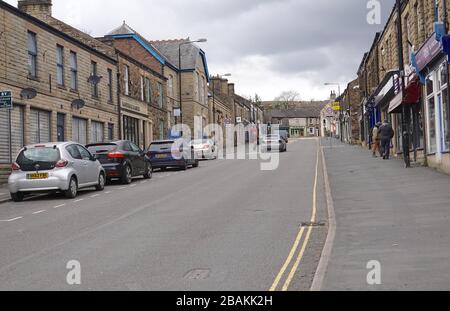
(165, 154)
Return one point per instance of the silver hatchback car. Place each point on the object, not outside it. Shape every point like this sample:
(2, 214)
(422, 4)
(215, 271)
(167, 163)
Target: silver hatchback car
(49, 167)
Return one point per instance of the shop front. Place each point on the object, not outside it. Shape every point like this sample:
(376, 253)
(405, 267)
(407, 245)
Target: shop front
(432, 64)
(136, 126)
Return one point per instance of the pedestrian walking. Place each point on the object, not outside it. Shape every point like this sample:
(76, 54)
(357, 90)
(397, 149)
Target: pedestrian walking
(386, 133)
(376, 141)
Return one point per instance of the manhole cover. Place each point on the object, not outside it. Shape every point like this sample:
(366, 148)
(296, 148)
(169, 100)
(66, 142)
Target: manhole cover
(314, 224)
(197, 274)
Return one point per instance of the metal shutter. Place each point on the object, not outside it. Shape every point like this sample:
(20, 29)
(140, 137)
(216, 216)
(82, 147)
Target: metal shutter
(10, 148)
(17, 120)
(39, 126)
(79, 131)
(97, 130)
(4, 136)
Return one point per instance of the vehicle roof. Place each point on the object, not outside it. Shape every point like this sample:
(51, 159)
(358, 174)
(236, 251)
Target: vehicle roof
(53, 144)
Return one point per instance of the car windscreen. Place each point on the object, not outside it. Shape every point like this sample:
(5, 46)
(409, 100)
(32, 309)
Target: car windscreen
(103, 148)
(39, 158)
(161, 146)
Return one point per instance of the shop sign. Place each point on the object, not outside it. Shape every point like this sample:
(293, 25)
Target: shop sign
(430, 49)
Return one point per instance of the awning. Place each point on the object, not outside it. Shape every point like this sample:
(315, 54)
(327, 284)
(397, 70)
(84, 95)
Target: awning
(412, 96)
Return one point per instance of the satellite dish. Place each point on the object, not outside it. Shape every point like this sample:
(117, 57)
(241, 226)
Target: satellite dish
(78, 103)
(28, 93)
(93, 79)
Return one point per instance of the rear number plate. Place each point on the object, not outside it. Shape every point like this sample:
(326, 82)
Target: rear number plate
(161, 156)
(37, 176)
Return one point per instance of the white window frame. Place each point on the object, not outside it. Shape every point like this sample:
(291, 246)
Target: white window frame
(126, 77)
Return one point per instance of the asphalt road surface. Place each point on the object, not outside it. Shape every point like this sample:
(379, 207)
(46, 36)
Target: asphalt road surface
(226, 225)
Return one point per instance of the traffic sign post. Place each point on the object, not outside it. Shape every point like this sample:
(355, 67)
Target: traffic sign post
(6, 100)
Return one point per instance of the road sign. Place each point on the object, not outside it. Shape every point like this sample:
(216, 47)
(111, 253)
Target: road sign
(5, 100)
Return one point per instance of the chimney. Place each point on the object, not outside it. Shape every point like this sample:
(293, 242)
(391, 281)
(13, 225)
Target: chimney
(215, 83)
(333, 95)
(231, 89)
(224, 86)
(37, 8)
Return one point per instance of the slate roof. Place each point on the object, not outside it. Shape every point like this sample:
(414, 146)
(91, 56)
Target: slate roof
(169, 48)
(303, 110)
(126, 30)
(82, 37)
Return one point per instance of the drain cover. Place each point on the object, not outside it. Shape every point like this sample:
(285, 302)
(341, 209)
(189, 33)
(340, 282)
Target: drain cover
(314, 224)
(197, 274)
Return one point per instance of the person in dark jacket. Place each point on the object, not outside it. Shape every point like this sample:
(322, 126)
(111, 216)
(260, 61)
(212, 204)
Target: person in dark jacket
(386, 133)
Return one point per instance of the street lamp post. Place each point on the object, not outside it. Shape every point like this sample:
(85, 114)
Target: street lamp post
(181, 71)
(214, 94)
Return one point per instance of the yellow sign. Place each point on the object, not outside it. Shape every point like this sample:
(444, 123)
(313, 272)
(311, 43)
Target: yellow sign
(336, 106)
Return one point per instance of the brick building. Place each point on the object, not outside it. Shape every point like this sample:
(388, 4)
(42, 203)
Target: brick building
(143, 111)
(72, 75)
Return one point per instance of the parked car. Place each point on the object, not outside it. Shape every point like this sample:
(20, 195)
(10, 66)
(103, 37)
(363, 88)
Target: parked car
(122, 160)
(65, 167)
(205, 149)
(167, 153)
(273, 143)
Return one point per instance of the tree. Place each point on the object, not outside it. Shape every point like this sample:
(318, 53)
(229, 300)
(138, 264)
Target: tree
(287, 98)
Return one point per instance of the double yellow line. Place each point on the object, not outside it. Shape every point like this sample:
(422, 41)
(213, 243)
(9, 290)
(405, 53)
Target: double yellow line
(296, 245)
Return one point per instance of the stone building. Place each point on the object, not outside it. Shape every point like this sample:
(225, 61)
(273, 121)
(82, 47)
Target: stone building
(193, 77)
(63, 82)
(350, 104)
(143, 111)
(425, 95)
(303, 121)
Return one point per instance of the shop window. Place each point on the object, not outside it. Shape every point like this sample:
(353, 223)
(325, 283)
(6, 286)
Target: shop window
(431, 119)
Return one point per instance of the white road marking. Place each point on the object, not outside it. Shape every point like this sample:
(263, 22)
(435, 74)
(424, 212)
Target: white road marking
(11, 220)
(133, 185)
(58, 206)
(95, 195)
(143, 182)
(76, 201)
(108, 192)
(122, 188)
(39, 212)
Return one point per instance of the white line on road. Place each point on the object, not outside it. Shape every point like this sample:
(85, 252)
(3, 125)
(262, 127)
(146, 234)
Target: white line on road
(58, 206)
(122, 188)
(76, 201)
(11, 220)
(108, 192)
(39, 212)
(143, 182)
(95, 195)
(133, 185)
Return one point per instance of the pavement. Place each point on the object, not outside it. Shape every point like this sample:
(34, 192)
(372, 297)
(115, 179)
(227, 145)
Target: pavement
(385, 213)
(225, 226)
(4, 194)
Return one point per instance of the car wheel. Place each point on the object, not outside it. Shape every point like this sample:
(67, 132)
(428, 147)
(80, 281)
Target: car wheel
(148, 173)
(101, 182)
(184, 167)
(17, 197)
(127, 175)
(72, 192)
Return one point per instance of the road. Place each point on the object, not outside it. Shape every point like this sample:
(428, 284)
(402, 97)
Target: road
(224, 226)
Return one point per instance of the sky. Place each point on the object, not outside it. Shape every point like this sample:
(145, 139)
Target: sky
(269, 46)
